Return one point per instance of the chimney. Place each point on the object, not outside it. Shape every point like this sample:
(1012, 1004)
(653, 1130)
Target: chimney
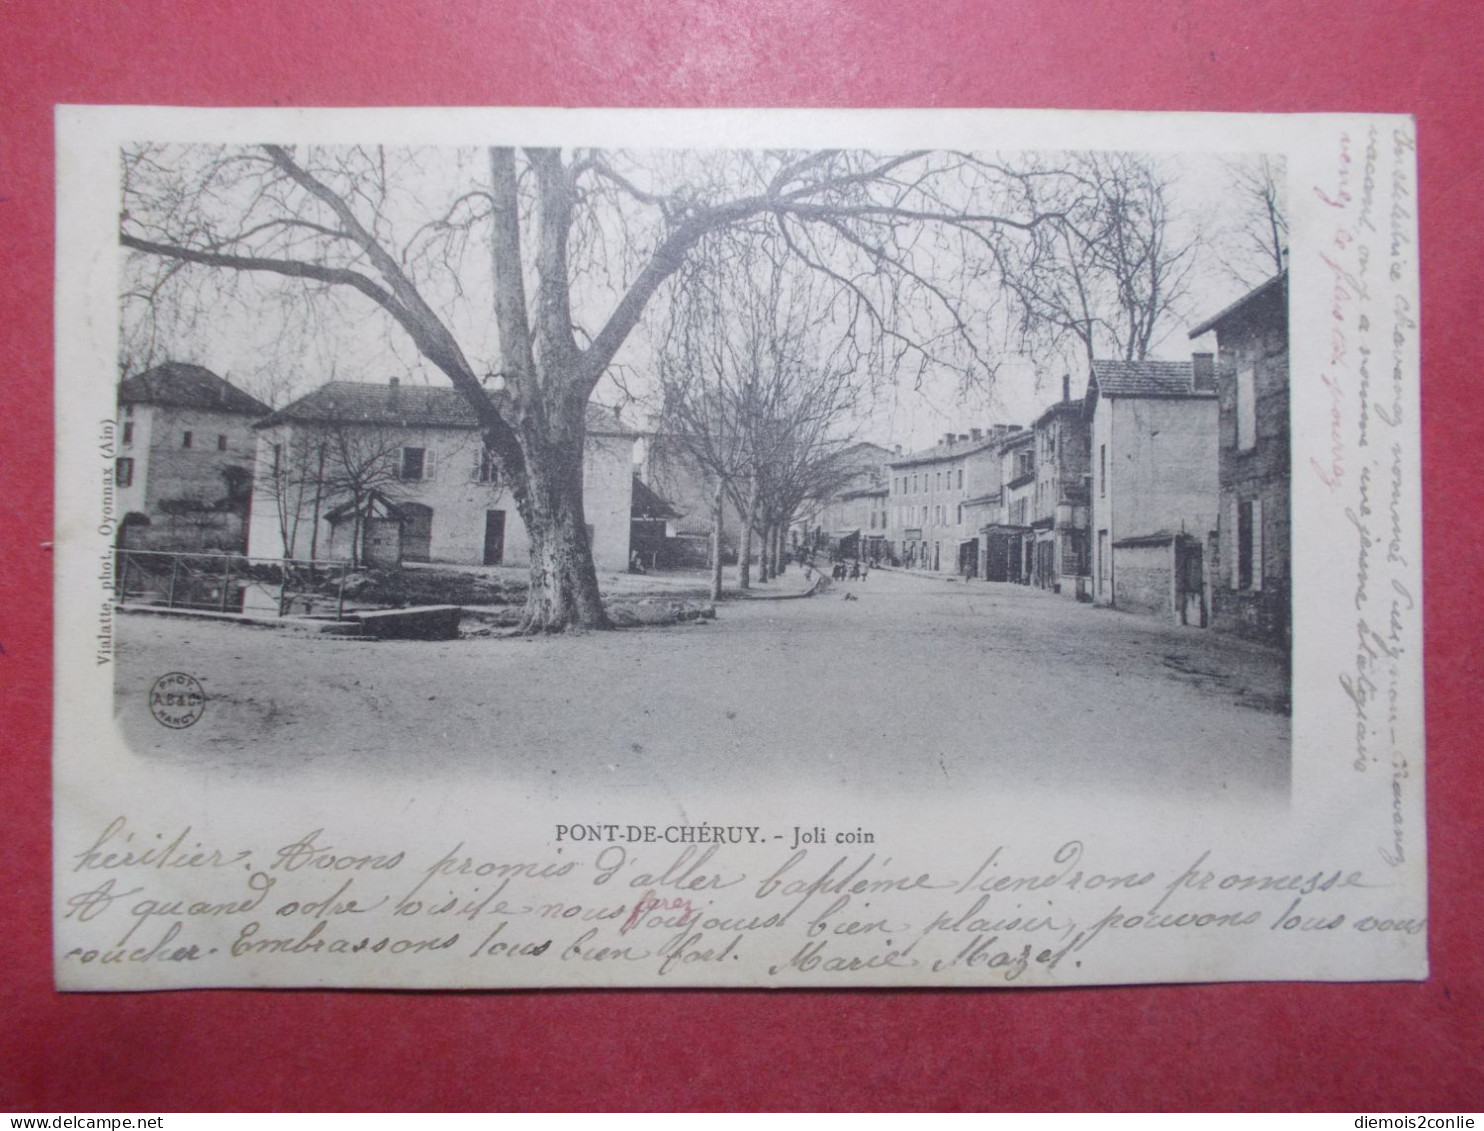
(1066, 388)
(948, 437)
(1204, 366)
(897, 449)
(963, 436)
(394, 382)
(976, 433)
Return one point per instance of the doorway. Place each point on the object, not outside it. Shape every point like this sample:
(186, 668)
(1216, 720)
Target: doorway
(417, 532)
(494, 537)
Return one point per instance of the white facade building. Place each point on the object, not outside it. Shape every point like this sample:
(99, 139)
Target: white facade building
(393, 473)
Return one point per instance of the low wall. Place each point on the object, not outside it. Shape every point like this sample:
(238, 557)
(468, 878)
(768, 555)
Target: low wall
(1142, 579)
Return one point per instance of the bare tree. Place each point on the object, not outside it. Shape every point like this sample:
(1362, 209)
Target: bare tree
(314, 470)
(1252, 246)
(292, 474)
(1108, 274)
(578, 245)
(747, 393)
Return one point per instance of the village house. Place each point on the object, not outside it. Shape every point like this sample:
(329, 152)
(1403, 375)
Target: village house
(1009, 539)
(927, 491)
(652, 529)
(184, 464)
(1060, 505)
(1154, 490)
(981, 515)
(690, 493)
(851, 520)
(386, 474)
(672, 473)
(856, 523)
(1250, 555)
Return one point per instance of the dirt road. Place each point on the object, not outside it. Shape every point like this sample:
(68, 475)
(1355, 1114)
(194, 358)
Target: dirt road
(920, 684)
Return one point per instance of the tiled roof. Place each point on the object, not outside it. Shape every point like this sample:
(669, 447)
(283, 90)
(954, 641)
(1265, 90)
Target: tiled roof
(407, 406)
(1278, 280)
(1060, 408)
(649, 503)
(180, 385)
(956, 450)
(1146, 379)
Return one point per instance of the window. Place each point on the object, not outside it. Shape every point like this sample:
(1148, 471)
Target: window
(185, 440)
(1247, 523)
(123, 476)
(960, 511)
(1246, 406)
(487, 468)
(1102, 470)
(128, 431)
(415, 464)
(960, 479)
(277, 459)
(914, 484)
(940, 481)
(221, 443)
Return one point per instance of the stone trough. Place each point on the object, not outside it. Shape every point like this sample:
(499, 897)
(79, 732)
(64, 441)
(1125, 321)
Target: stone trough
(424, 622)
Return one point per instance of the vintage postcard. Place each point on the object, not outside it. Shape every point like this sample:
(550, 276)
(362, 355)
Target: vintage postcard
(553, 548)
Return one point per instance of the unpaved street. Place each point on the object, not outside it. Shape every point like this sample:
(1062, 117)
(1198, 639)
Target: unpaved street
(921, 684)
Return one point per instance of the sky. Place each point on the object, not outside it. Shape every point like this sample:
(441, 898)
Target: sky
(242, 337)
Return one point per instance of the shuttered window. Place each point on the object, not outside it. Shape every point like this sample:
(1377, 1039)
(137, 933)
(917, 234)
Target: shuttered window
(1246, 406)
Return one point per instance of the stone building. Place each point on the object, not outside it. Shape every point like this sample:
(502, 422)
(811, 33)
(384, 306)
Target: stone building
(386, 474)
(927, 492)
(1009, 540)
(1154, 490)
(671, 470)
(184, 467)
(851, 520)
(1250, 554)
(1060, 503)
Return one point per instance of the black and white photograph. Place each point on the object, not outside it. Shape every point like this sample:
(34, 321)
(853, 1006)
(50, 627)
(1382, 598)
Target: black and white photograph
(520, 548)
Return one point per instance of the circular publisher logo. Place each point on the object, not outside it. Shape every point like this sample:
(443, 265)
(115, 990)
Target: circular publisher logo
(177, 700)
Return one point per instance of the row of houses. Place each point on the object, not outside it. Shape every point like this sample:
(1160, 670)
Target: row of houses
(377, 473)
(1163, 490)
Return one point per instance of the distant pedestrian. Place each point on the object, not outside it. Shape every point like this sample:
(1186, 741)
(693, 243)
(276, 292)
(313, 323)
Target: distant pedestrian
(855, 571)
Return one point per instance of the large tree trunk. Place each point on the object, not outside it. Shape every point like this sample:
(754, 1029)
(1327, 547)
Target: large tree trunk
(319, 495)
(563, 590)
(764, 558)
(718, 514)
(355, 531)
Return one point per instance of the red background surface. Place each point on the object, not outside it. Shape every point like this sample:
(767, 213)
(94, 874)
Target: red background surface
(1345, 1047)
